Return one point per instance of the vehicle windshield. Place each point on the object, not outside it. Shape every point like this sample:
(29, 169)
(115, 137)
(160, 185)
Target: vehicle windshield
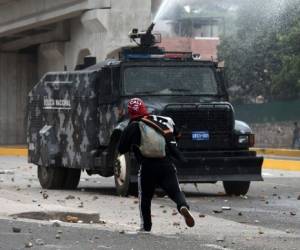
(185, 80)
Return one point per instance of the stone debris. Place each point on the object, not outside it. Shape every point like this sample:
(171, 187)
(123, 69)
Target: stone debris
(39, 242)
(292, 213)
(122, 232)
(16, 229)
(72, 219)
(298, 198)
(240, 214)
(56, 223)
(260, 232)
(45, 196)
(226, 208)
(201, 215)
(9, 172)
(102, 222)
(136, 202)
(15, 217)
(34, 201)
(80, 205)
(58, 236)
(244, 197)
(174, 213)
(288, 231)
(95, 198)
(176, 224)
(28, 244)
(70, 197)
(164, 211)
(217, 211)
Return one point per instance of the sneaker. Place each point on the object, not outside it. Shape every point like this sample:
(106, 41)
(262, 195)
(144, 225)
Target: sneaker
(189, 219)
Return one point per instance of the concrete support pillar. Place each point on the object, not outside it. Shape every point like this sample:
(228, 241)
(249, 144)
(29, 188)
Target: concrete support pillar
(51, 57)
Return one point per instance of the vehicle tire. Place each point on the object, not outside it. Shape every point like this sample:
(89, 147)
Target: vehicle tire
(122, 170)
(72, 178)
(236, 187)
(51, 177)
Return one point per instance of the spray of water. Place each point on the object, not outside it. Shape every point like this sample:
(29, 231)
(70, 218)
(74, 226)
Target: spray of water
(164, 8)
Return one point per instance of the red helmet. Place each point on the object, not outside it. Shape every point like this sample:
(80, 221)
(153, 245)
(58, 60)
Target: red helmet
(137, 108)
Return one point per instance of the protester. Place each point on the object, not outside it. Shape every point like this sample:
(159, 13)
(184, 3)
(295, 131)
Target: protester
(152, 139)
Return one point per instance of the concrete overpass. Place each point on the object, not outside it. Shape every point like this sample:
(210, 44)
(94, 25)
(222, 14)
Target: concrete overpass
(37, 36)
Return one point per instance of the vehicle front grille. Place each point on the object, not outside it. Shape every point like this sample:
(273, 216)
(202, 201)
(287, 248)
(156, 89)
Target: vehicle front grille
(216, 119)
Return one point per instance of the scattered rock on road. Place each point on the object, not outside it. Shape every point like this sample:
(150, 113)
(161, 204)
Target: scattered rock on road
(201, 215)
(292, 213)
(28, 244)
(70, 197)
(16, 229)
(240, 214)
(298, 198)
(9, 172)
(72, 219)
(45, 196)
(56, 223)
(217, 211)
(226, 208)
(39, 242)
(176, 224)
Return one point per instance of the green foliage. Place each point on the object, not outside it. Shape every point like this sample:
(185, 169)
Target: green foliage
(263, 56)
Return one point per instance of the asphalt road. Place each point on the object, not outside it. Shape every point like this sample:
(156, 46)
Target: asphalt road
(267, 218)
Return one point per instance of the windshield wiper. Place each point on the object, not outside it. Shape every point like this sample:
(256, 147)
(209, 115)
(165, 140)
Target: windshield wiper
(145, 92)
(179, 90)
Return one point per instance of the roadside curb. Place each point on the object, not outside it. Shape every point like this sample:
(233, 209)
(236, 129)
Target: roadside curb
(277, 152)
(281, 164)
(13, 151)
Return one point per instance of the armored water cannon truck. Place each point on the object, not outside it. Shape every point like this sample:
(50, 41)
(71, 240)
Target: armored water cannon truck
(75, 119)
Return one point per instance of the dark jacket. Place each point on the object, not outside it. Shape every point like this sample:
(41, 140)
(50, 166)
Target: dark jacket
(131, 139)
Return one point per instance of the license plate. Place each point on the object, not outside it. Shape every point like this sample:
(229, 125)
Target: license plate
(200, 136)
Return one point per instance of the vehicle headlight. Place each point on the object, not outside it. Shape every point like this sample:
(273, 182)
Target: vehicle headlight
(243, 139)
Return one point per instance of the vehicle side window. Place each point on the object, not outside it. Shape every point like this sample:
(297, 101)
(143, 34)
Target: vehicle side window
(116, 81)
(105, 86)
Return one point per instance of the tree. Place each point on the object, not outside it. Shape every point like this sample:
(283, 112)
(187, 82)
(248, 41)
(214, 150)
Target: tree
(261, 58)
